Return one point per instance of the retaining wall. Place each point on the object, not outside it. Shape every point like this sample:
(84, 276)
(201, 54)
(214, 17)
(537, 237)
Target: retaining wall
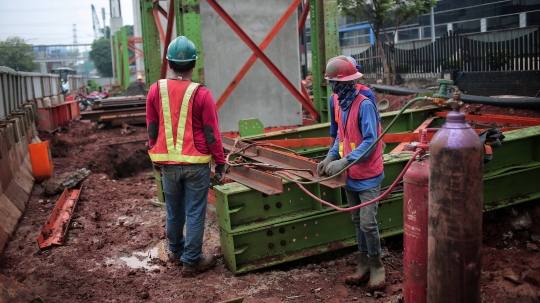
(22, 96)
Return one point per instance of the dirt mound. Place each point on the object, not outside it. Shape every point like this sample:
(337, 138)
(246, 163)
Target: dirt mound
(103, 150)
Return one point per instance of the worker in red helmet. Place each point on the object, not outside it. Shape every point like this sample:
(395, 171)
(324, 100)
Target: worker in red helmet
(335, 114)
(358, 128)
(184, 137)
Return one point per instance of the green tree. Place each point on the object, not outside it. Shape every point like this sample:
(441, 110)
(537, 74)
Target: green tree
(15, 53)
(381, 14)
(101, 55)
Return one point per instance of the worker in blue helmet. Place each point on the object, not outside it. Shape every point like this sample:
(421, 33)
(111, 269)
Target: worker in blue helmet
(334, 106)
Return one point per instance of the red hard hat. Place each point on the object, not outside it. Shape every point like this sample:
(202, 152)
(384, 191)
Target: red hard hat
(341, 69)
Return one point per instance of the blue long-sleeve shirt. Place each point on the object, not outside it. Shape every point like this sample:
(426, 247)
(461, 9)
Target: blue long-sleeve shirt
(333, 125)
(368, 122)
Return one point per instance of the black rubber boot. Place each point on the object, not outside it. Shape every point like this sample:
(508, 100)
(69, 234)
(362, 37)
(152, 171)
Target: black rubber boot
(362, 270)
(377, 279)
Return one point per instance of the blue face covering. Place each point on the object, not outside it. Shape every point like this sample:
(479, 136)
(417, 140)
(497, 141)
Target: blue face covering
(346, 92)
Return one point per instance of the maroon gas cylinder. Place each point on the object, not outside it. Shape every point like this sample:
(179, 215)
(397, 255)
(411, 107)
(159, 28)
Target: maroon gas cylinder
(415, 230)
(455, 213)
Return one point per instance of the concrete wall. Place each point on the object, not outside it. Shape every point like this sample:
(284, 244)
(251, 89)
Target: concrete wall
(260, 94)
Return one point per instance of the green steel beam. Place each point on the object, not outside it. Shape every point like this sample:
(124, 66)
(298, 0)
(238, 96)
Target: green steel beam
(151, 44)
(117, 58)
(254, 236)
(125, 57)
(324, 45)
(188, 23)
(407, 122)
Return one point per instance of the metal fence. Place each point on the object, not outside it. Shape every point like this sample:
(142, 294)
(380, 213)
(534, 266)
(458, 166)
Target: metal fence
(17, 88)
(506, 50)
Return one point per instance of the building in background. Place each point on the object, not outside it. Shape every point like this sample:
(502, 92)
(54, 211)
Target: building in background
(458, 16)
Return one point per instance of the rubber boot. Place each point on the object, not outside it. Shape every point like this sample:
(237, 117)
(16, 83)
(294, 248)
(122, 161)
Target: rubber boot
(362, 270)
(377, 279)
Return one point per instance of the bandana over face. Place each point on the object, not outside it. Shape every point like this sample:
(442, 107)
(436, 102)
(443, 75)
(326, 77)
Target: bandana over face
(346, 92)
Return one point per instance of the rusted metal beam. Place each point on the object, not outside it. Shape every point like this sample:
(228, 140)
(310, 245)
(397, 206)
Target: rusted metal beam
(271, 35)
(306, 103)
(282, 159)
(257, 180)
(55, 229)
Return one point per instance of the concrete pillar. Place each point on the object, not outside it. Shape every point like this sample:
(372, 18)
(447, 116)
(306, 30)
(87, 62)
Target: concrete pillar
(260, 94)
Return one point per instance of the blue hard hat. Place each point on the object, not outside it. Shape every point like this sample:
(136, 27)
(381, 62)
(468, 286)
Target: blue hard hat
(358, 67)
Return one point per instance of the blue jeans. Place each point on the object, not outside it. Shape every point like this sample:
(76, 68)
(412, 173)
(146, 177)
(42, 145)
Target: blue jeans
(186, 193)
(367, 231)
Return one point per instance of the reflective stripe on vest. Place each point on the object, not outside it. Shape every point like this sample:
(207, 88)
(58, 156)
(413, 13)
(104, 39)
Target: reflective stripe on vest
(174, 153)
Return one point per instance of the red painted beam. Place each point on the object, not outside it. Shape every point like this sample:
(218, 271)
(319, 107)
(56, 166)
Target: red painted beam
(298, 143)
(497, 118)
(158, 24)
(306, 103)
(271, 35)
(303, 17)
(168, 37)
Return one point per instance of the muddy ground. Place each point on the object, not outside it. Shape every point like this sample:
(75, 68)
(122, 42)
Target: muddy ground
(116, 230)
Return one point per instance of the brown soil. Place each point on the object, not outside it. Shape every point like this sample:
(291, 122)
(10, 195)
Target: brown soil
(115, 225)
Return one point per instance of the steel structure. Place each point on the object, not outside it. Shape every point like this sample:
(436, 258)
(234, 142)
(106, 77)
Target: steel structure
(265, 220)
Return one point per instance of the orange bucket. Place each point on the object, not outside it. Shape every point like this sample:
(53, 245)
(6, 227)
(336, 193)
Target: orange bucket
(41, 159)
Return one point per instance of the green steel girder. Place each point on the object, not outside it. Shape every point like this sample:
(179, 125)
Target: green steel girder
(240, 208)
(407, 122)
(121, 59)
(301, 237)
(151, 44)
(188, 23)
(254, 237)
(125, 58)
(117, 57)
(324, 45)
(520, 146)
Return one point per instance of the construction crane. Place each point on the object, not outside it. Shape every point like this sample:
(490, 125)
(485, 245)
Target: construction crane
(96, 26)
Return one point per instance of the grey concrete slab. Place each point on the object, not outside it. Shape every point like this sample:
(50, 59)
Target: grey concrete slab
(260, 94)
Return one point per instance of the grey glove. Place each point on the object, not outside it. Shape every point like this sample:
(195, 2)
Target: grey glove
(336, 166)
(321, 166)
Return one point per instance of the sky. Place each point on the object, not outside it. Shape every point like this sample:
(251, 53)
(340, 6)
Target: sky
(51, 22)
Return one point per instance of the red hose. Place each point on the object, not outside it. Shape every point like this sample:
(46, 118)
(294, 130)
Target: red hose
(363, 204)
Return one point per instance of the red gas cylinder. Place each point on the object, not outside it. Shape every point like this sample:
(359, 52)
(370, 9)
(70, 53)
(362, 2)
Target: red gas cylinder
(415, 228)
(455, 212)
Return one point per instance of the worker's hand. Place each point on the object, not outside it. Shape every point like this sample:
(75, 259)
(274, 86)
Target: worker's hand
(158, 168)
(321, 166)
(219, 173)
(336, 166)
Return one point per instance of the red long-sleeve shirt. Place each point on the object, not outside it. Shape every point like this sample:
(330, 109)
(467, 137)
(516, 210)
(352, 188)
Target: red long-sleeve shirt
(204, 114)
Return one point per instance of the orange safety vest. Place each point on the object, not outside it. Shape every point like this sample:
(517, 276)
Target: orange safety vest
(175, 142)
(350, 137)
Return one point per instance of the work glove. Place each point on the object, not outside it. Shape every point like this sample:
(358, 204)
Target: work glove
(321, 166)
(336, 166)
(219, 173)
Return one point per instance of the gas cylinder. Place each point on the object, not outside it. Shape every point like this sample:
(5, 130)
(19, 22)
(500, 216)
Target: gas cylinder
(455, 211)
(415, 227)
